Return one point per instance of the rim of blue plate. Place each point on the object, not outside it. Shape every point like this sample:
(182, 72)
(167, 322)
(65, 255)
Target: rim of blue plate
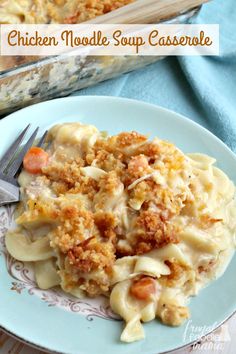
(37, 346)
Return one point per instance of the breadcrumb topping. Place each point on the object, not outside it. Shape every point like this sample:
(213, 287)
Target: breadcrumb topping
(130, 138)
(92, 255)
(97, 219)
(153, 232)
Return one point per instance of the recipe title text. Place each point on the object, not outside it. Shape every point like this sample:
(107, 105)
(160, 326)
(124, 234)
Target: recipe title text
(110, 39)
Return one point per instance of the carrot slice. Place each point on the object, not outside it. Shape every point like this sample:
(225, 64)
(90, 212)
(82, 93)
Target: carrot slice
(143, 288)
(35, 159)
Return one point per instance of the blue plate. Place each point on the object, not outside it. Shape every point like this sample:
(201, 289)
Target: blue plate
(55, 322)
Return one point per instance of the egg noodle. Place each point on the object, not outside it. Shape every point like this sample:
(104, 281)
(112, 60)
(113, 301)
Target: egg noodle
(132, 219)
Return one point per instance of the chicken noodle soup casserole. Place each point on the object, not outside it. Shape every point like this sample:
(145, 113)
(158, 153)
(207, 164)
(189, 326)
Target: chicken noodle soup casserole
(122, 216)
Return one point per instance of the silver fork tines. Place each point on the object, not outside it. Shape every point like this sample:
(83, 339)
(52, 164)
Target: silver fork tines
(42, 139)
(14, 167)
(11, 163)
(11, 152)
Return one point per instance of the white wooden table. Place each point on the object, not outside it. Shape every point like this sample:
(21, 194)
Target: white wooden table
(222, 341)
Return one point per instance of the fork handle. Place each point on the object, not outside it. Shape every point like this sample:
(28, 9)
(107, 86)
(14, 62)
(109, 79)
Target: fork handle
(8, 193)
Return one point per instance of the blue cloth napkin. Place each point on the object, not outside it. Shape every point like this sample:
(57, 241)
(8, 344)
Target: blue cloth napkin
(202, 88)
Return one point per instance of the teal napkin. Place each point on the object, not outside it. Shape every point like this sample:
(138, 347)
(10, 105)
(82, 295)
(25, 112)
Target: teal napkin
(202, 88)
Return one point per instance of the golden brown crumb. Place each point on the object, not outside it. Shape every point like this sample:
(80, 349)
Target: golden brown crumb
(75, 224)
(68, 172)
(94, 287)
(153, 233)
(130, 138)
(106, 223)
(87, 186)
(60, 187)
(106, 161)
(92, 255)
(138, 167)
(152, 150)
(110, 182)
(67, 177)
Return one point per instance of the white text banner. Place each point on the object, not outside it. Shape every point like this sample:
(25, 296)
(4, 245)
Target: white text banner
(88, 39)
